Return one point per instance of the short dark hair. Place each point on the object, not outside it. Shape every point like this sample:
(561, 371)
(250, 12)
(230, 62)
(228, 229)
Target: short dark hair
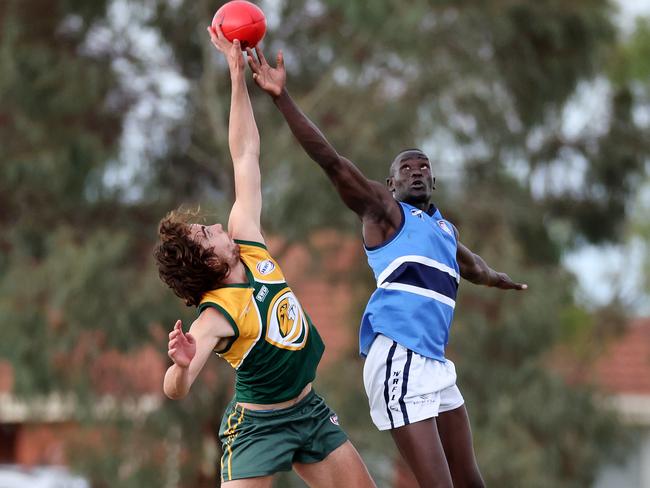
(188, 268)
(390, 169)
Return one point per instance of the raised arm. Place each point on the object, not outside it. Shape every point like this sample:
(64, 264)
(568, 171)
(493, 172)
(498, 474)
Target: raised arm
(473, 268)
(244, 143)
(370, 200)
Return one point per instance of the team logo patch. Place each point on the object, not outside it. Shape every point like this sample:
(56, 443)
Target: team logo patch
(443, 225)
(261, 295)
(265, 267)
(416, 212)
(287, 325)
(334, 419)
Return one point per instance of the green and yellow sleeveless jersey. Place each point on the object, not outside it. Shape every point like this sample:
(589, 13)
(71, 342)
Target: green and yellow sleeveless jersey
(276, 348)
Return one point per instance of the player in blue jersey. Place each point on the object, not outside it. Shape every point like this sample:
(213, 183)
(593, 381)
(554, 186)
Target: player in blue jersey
(418, 262)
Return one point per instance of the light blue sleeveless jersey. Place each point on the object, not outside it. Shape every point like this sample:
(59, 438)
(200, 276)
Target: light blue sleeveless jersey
(417, 280)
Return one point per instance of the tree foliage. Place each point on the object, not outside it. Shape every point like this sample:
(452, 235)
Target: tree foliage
(486, 88)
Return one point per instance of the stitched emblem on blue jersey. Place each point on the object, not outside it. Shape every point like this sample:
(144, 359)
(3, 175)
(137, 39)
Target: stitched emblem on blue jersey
(443, 225)
(417, 213)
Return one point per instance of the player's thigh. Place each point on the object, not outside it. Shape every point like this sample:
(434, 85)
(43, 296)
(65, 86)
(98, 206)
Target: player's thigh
(259, 482)
(456, 436)
(421, 448)
(256, 444)
(341, 468)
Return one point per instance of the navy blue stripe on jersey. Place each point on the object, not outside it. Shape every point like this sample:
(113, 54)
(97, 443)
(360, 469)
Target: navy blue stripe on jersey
(389, 364)
(423, 276)
(405, 380)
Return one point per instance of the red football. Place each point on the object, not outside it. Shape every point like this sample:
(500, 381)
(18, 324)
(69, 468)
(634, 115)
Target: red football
(241, 20)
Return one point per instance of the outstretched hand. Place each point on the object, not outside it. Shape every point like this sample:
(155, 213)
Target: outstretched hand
(181, 347)
(231, 50)
(504, 282)
(271, 80)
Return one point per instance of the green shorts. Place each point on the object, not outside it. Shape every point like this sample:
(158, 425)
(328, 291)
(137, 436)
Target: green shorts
(262, 443)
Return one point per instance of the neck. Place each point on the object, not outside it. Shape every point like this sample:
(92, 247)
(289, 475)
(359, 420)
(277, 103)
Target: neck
(424, 206)
(237, 274)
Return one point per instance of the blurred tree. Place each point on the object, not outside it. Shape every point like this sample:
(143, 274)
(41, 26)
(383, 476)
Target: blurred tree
(76, 274)
(630, 66)
(488, 89)
(489, 86)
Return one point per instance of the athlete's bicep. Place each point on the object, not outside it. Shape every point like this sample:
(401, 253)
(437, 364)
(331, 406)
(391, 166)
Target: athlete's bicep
(468, 262)
(362, 195)
(465, 258)
(207, 330)
(244, 226)
(244, 220)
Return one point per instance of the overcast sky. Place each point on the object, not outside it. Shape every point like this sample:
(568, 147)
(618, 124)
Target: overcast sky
(605, 271)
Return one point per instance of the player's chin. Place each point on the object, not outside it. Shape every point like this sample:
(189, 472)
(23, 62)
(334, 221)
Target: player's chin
(419, 194)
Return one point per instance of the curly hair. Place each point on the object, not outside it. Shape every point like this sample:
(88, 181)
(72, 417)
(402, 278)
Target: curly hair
(188, 268)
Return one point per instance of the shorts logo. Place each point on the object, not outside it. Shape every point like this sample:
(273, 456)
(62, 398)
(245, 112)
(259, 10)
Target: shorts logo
(287, 325)
(428, 399)
(334, 419)
(443, 225)
(265, 267)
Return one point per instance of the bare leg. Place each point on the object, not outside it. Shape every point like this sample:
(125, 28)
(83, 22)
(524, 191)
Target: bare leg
(456, 437)
(420, 446)
(343, 467)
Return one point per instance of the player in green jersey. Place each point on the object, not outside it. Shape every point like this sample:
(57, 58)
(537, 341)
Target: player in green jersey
(250, 317)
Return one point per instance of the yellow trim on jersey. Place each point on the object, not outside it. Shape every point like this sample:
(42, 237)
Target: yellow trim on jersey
(287, 324)
(262, 266)
(238, 306)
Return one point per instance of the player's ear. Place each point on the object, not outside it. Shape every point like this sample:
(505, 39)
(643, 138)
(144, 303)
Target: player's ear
(390, 184)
